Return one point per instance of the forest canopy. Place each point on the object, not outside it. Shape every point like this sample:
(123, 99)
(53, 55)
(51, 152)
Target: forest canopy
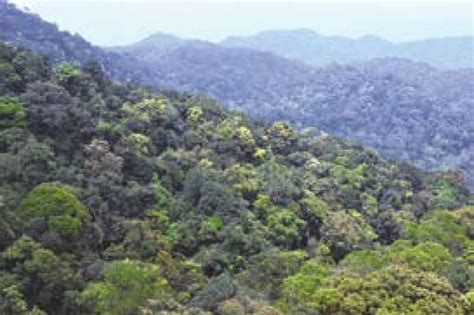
(115, 199)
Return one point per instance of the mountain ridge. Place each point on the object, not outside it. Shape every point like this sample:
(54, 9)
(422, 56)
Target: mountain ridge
(319, 50)
(406, 110)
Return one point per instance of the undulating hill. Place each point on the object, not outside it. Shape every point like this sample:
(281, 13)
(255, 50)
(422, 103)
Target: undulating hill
(151, 47)
(403, 109)
(319, 50)
(117, 200)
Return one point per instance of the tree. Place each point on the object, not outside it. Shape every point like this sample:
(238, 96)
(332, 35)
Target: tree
(282, 137)
(46, 279)
(12, 113)
(394, 289)
(244, 179)
(208, 192)
(314, 210)
(70, 76)
(53, 112)
(426, 256)
(284, 225)
(217, 290)
(266, 270)
(442, 227)
(53, 208)
(104, 174)
(280, 182)
(460, 273)
(363, 261)
(345, 231)
(127, 285)
(299, 288)
(12, 301)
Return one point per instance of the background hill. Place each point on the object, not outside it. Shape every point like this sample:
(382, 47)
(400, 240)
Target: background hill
(151, 47)
(319, 50)
(403, 109)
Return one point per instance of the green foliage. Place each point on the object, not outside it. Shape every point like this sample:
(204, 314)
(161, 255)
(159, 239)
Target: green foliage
(194, 113)
(363, 261)
(35, 267)
(214, 222)
(352, 177)
(314, 207)
(218, 289)
(345, 231)
(279, 181)
(127, 285)
(442, 227)
(370, 204)
(12, 301)
(57, 205)
(446, 194)
(460, 273)
(243, 178)
(390, 290)
(21, 249)
(140, 142)
(299, 288)
(163, 198)
(465, 218)
(12, 113)
(427, 256)
(66, 70)
(284, 224)
(167, 203)
(267, 270)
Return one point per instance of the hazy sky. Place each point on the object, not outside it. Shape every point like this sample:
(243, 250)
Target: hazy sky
(107, 22)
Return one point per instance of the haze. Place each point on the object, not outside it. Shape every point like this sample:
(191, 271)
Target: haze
(111, 23)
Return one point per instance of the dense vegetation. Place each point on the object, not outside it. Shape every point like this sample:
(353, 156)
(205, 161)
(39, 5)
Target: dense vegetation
(30, 31)
(117, 200)
(405, 110)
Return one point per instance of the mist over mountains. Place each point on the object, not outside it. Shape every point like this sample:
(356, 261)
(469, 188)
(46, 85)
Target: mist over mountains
(404, 109)
(319, 50)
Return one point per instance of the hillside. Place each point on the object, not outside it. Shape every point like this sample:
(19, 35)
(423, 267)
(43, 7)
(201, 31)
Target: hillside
(319, 50)
(405, 110)
(30, 31)
(117, 200)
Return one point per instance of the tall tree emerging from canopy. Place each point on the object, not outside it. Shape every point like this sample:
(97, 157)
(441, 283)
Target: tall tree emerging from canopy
(127, 285)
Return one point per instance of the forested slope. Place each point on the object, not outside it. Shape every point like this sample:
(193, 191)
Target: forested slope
(30, 31)
(117, 200)
(404, 110)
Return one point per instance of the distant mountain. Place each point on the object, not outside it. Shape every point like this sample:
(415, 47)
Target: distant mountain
(152, 47)
(320, 50)
(404, 109)
(234, 75)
